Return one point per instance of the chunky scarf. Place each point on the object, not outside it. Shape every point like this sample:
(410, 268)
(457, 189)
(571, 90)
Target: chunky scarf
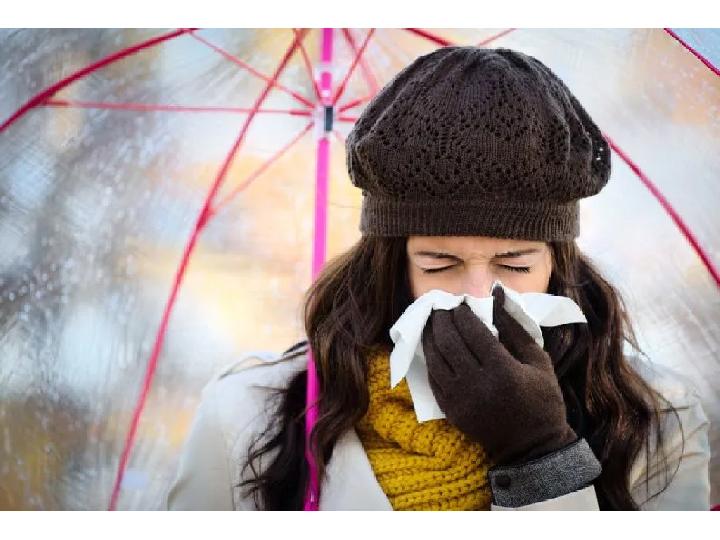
(420, 466)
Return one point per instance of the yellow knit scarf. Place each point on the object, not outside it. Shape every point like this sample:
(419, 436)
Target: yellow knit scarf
(420, 466)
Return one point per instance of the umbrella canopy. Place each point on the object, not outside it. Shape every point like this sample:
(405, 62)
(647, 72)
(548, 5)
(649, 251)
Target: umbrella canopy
(166, 197)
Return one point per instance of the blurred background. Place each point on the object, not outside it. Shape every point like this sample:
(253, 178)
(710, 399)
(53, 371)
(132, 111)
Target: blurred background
(97, 202)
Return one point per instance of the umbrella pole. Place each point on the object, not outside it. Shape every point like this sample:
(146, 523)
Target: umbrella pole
(312, 496)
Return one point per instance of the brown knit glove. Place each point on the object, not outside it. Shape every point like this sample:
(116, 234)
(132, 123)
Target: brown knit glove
(501, 393)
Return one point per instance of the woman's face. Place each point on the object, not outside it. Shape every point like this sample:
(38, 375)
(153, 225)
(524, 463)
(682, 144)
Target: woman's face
(470, 264)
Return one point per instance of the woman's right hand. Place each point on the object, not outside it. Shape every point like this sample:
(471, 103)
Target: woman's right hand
(502, 393)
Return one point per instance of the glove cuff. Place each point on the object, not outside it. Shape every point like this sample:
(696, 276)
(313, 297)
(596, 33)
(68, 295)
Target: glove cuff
(563, 471)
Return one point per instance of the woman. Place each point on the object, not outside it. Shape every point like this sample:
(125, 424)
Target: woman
(471, 163)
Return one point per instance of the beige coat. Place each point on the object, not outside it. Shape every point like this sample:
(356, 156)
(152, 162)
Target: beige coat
(231, 411)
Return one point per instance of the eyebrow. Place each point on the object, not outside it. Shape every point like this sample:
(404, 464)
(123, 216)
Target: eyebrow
(505, 255)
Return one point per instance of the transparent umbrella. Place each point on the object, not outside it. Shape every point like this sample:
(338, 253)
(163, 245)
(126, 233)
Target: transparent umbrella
(167, 196)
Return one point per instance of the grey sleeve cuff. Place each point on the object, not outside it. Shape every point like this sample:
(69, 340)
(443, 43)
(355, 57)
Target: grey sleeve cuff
(566, 470)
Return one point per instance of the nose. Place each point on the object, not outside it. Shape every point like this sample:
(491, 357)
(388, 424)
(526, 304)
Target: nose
(477, 281)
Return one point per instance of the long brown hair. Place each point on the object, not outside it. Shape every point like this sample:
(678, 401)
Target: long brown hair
(349, 310)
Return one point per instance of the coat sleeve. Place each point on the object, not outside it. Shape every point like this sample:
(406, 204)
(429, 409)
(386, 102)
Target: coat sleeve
(233, 408)
(682, 479)
(202, 480)
(582, 499)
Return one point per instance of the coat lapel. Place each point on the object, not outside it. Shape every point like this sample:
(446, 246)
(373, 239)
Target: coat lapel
(350, 483)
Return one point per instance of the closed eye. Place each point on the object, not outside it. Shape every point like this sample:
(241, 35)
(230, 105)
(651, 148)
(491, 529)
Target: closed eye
(524, 269)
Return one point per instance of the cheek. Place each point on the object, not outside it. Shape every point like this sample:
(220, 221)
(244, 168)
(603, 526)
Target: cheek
(420, 282)
(416, 283)
(535, 281)
(523, 282)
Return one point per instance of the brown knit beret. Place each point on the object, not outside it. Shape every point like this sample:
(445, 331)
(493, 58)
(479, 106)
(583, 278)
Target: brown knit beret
(474, 141)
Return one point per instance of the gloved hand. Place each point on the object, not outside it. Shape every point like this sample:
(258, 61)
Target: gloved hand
(501, 393)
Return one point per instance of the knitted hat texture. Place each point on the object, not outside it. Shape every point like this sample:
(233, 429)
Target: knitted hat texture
(474, 141)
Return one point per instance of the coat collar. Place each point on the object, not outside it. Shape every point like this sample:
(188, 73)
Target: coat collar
(350, 482)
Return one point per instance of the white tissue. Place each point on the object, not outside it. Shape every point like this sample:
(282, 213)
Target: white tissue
(407, 359)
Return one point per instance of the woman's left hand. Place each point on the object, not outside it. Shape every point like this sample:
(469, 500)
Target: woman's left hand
(501, 392)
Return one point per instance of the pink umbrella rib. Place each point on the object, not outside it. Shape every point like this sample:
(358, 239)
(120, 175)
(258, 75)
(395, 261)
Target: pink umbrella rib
(430, 36)
(306, 61)
(199, 225)
(446, 42)
(354, 103)
(493, 38)
(697, 55)
(669, 209)
(366, 71)
(50, 91)
(169, 108)
(358, 55)
(235, 60)
(244, 185)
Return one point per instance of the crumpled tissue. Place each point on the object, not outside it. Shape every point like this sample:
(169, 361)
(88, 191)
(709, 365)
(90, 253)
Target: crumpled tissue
(407, 359)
